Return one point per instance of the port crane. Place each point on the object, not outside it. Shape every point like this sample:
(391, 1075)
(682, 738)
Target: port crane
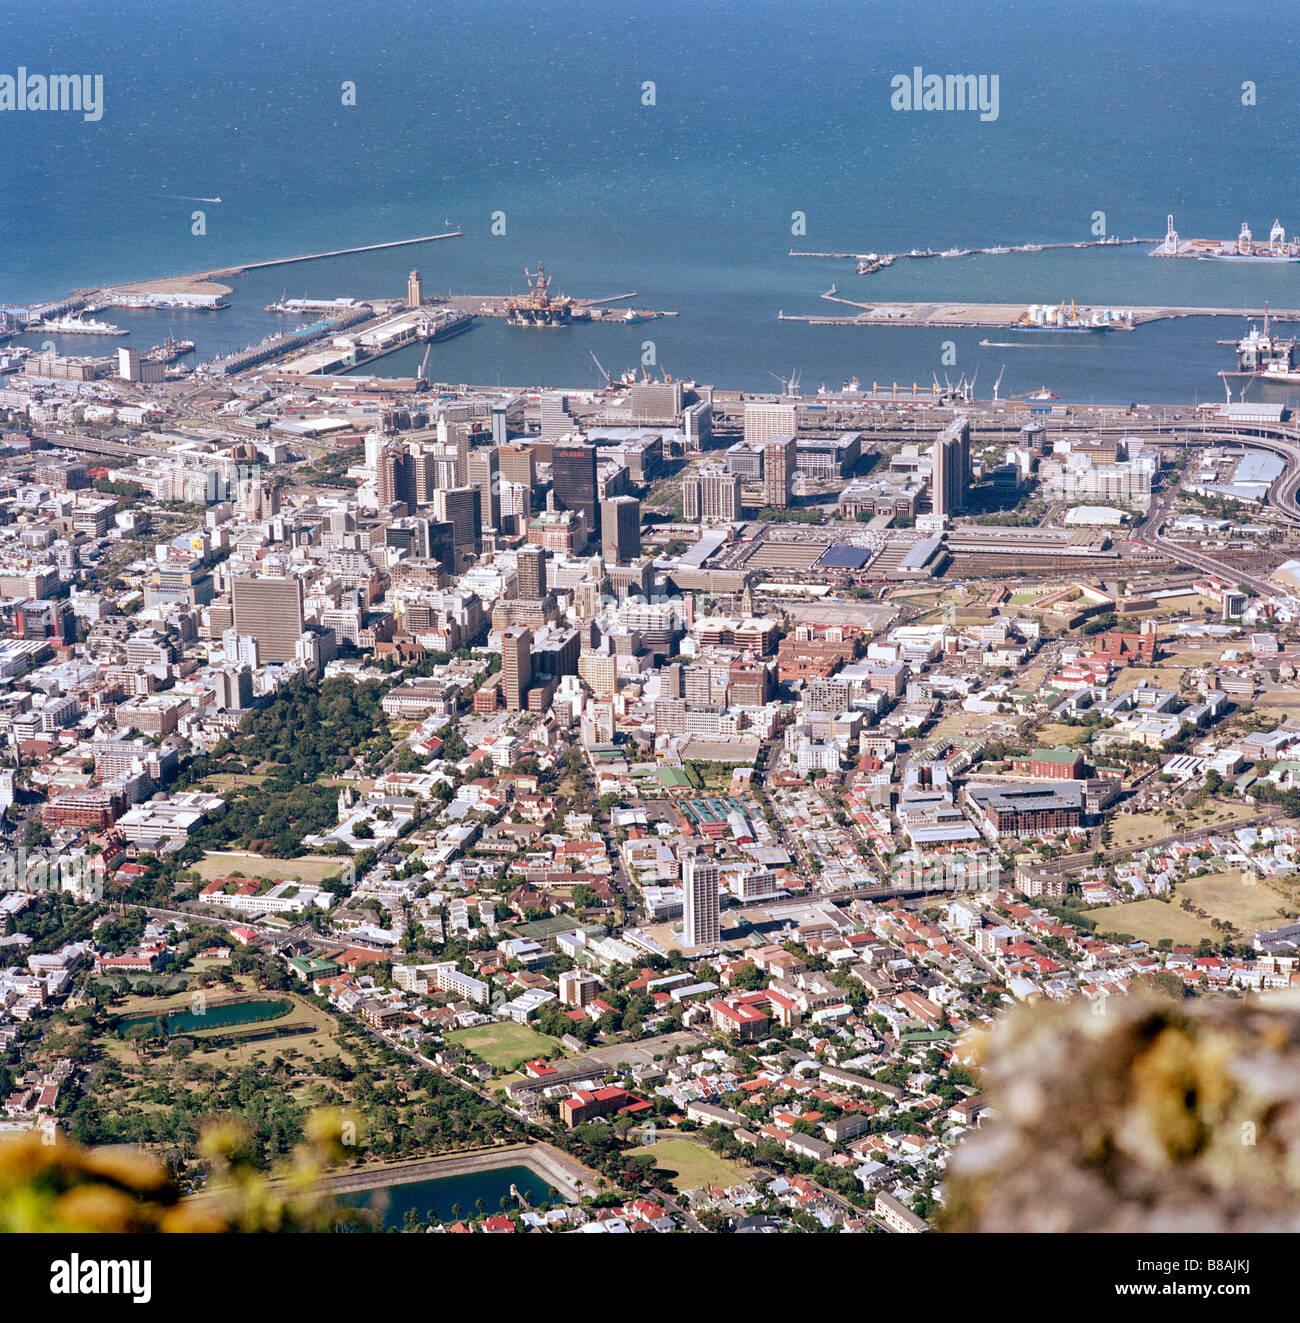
(422, 374)
(998, 383)
(790, 384)
(600, 367)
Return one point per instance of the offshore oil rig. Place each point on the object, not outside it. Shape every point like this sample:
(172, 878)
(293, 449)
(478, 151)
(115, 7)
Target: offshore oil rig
(537, 307)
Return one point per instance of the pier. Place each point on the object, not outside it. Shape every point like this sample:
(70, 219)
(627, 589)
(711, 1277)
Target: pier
(953, 316)
(581, 310)
(870, 263)
(334, 252)
(208, 283)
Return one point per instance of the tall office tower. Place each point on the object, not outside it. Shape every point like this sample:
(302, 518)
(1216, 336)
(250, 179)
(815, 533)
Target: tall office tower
(445, 468)
(778, 471)
(516, 506)
(531, 573)
(962, 427)
(269, 609)
(692, 497)
(697, 424)
(255, 499)
(518, 464)
(424, 474)
(573, 482)
(414, 290)
(441, 545)
(764, 421)
(700, 925)
(240, 649)
(555, 415)
(375, 442)
(620, 523)
(234, 687)
(500, 433)
(455, 437)
(485, 474)
(128, 364)
(672, 680)
(516, 666)
(395, 478)
(950, 468)
(655, 401)
(711, 494)
(462, 507)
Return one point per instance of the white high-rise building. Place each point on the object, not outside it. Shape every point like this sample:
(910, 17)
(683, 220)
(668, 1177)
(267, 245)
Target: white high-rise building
(700, 924)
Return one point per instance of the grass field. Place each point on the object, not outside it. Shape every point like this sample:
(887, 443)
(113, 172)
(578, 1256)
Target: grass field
(310, 868)
(1139, 829)
(1151, 920)
(506, 1046)
(1280, 705)
(692, 1164)
(1055, 733)
(1247, 906)
(1161, 677)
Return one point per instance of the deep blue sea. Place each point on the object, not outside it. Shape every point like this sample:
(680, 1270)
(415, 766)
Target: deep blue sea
(762, 108)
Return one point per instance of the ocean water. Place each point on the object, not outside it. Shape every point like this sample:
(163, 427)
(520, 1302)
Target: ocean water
(761, 109)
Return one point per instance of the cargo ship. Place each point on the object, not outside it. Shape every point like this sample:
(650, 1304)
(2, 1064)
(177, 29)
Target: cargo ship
(78, 326)
(1265, 356)
(1045, 318)
(169, 351)
(1244, 249)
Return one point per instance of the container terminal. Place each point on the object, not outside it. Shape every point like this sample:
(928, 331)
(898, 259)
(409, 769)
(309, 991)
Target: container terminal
(1243, 249)
(1010, 316)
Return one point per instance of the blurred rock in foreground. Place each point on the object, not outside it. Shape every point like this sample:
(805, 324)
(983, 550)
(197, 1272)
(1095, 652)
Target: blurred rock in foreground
(1154, 1116)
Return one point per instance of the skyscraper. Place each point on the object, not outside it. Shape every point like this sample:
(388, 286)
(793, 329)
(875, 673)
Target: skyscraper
(950, 468)
(500, 432)
(713, 493)
(518, 464)
(485, 474)
(778, 470)
(516, 666)
(531, 573)
(395, 477)
(763, 421)
(439, 543)
(573, 482)
(269, 609)
(555, 416)
(620, 523)
(672, 680)
(700, 923)
(462, 507)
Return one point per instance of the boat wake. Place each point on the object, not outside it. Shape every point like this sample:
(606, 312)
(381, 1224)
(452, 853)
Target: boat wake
(1019, 344)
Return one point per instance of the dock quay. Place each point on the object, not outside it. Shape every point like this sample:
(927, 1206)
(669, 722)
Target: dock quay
(333, 252)
(201, 289)
(949, 316)
(581, 310)
(305, 356)
(870, 263)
